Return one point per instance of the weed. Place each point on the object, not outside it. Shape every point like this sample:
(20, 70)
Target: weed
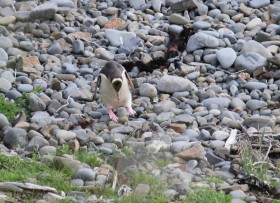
(274, 183)
(12, 168)
(9, 109)
(207, 195)
(12, 109)
(92, 158)
(213, 179)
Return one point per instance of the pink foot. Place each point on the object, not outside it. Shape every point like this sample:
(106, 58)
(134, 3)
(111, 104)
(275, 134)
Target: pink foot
(130, 111)
(112, 115)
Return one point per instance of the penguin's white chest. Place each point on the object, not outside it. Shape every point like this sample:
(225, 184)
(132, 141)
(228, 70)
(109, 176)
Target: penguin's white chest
(109, 96)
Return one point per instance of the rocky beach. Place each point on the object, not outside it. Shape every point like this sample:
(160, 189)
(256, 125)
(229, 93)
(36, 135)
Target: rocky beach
(207, 119)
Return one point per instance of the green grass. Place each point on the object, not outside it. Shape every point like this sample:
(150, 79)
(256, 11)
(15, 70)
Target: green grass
(207, 195)
(12, 109)
(213, 179)
(92, 158)
(155, 195)
(13, 168)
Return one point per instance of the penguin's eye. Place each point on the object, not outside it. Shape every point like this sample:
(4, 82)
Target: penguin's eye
(117, 85)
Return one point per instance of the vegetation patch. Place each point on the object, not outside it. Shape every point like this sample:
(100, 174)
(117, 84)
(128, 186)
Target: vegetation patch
(207, 195)
(12, 168)
(13, 109)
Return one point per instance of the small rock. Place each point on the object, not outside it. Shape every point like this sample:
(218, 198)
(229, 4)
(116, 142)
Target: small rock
(85, 174)
(147, 90)
(195, 152)
(142, 190)
(226, 57)
(172, 84)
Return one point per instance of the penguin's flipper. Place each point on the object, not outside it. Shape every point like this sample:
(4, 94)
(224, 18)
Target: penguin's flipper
(97, 85)
(130, 82)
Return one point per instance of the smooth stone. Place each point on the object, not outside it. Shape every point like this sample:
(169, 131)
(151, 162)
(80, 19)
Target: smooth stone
(238, 194)
(156, 5)
(65, 135)
(64, 3)
(38, 142)
(26, 45)
(5, 85)
(224, 175)
(259, 122)
(5, 42)
(147, 90)
(213, 159)
(255, 86)
(175, 29)
(172, 84)
(15, 137)
(164, 106)
(219, 101)
(25, 88)
(275, 59)
(250, 62)
(3, 55)
(179, 146)
(253, 23)
(226, 57)
(41, 117)
(54, 49)
(43, 11)
(117, 38)
(136, 4)
(183, 118)
(36, 104)
(3, 121)
(203, 25)
(214, 144)
(256, 47)
(237, 103)
(178, 19)
(85, 174)
(78, 47)
(6, 20)
(69, 68)
(201, 40)
(130, 45)
(259, 3)
(220, 135)
(255, 104)
(77, 182)
(47, 150)
(8, 75)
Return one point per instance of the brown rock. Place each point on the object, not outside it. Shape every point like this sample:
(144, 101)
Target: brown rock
(64, 45)
(178, 127)
(26, 64)
(116, 23)
(259, 71)
(195, 152)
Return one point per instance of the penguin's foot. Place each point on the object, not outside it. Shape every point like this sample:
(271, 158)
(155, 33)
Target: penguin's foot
(130, 111)
(112, 116)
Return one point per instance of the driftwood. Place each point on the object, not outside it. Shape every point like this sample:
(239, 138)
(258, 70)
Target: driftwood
(185, 5)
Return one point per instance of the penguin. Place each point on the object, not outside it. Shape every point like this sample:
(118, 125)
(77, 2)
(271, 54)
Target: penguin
(113, 82)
